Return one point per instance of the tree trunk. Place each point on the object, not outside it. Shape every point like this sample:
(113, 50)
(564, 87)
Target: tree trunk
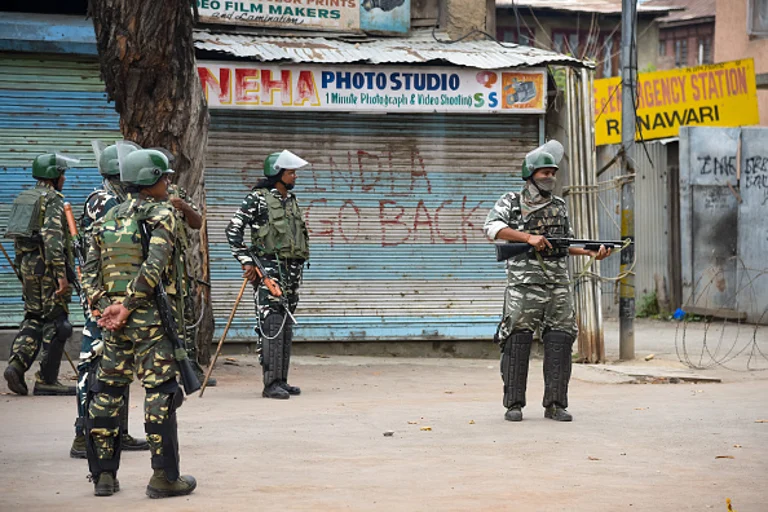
(147, 59)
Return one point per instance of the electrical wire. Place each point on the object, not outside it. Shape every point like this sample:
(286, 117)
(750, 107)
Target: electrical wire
(517, 21)
(633, 65)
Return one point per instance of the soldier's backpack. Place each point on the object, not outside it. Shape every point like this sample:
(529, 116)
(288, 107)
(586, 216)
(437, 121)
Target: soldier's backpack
(26, 217)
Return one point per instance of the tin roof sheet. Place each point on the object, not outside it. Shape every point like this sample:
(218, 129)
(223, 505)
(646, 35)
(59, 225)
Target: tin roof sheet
(421, 48)
(690, 10)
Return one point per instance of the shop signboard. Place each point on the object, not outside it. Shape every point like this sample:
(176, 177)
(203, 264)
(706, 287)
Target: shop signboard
(721, 94)
(380, 16)
(237, 85)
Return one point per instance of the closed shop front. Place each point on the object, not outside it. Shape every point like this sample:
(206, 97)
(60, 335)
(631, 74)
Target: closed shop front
(48, 103)
(395, 199)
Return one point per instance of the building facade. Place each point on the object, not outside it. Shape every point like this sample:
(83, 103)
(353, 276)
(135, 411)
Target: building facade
(687, 35)
(586, 30)
(411, 140)
(741, 31)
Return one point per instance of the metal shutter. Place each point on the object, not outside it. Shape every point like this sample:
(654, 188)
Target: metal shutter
(47, 103)
(395, 205)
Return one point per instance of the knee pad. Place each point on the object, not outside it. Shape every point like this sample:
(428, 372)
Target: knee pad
(95, 464)
(558, 337)
(168, 459)
(172, 388)
(514, 367)
(63, 328)
(521, 337)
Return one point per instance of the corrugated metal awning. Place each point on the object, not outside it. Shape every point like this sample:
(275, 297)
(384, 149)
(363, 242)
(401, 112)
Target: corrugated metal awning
(420, 48)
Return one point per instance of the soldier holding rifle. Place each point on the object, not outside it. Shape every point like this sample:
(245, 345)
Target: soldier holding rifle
(280, 246)
(538, 293)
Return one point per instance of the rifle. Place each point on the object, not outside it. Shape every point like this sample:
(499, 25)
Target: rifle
(188, 378)
(272, 286)
(506, 250)
(77, 241)
(79, 250)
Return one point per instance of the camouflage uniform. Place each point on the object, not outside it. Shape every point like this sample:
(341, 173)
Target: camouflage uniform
(41, 262)
(142, 343)
(96, 207)
(282, 250)
(538, 296)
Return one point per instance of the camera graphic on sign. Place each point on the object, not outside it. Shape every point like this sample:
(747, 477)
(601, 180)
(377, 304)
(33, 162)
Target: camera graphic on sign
(384, 5)
(521, 92)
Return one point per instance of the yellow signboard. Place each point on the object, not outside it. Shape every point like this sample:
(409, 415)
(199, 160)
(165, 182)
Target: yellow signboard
(721, 94)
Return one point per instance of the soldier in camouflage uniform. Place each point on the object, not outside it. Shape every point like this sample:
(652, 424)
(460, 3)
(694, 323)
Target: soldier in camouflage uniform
(120, 280)
(96, 206)
(280, 240)
(538, 293)
(187, 213)
(43, 258)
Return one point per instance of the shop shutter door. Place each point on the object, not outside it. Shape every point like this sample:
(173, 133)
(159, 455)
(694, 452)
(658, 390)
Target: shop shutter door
(395, 205)
(47, 103)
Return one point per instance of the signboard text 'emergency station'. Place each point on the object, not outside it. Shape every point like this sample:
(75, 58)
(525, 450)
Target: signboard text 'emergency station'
(713, 95)
(312, 87)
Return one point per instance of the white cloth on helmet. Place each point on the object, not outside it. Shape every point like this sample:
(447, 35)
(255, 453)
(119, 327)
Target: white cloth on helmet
(553, 148)
(287, 160)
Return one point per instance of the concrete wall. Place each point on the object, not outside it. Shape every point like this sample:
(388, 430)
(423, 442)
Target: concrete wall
(732, 42)
(723, 206)
(463, 16)
(647, 45)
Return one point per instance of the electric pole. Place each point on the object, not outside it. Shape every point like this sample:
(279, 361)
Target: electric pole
(628, 85)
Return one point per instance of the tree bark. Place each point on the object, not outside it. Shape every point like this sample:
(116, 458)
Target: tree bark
(147, 58)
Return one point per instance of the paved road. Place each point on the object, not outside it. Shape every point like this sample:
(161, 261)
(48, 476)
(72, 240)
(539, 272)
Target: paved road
(631, 447)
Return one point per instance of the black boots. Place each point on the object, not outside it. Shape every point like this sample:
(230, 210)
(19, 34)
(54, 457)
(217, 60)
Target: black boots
(106, 484)
(275, 390)
(557, 413)
(514, 413)
(14, 376)
(291, 390)
(161, 487)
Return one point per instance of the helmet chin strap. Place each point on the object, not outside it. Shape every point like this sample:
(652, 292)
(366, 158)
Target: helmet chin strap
(280, 180)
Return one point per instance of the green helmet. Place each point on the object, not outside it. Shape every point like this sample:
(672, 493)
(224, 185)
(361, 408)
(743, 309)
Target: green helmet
(542, 161)
(144, 167)
(108, 162)
(547, 156)
(269, 165)
(51, 165)
(277, 162)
